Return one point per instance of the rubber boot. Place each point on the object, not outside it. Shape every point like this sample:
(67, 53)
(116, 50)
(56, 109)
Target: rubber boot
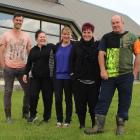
(98, 127)
(120, 126)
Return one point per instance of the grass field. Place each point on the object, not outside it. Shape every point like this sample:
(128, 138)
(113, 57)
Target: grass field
(21, 130)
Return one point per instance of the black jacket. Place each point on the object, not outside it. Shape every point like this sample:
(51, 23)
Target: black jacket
(38, 61)
(84, 61)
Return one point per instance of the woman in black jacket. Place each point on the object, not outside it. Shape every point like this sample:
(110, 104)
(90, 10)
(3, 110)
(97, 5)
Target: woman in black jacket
(38, 64)
(86, 74)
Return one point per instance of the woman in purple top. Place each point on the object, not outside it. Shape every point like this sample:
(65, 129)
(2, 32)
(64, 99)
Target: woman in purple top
(62, 78)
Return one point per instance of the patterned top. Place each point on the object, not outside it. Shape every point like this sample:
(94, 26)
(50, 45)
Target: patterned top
(16, 49)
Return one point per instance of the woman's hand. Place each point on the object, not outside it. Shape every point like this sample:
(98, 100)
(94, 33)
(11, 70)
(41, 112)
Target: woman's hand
(25, 79)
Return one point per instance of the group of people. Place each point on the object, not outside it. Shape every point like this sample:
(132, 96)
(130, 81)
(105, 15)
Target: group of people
(89, 69)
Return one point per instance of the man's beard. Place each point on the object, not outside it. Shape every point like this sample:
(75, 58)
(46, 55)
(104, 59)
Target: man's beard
(17, 27)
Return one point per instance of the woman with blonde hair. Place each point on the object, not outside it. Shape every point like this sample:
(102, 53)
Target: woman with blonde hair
(62, 79)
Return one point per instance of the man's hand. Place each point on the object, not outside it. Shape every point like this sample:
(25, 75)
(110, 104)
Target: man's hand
(104, 75)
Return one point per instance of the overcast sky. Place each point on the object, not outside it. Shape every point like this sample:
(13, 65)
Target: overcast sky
(130, 8)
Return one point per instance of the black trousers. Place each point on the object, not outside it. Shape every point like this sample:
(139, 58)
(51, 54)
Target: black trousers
(43, 85)
(59, 86)
(85, 95)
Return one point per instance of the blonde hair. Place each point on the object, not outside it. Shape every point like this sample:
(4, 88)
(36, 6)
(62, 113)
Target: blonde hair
(66, 29)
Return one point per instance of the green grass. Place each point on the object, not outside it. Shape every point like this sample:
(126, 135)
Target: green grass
(21, 130)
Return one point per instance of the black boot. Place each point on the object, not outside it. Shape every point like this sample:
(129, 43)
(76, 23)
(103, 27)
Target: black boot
(98, 127)
(120, 126)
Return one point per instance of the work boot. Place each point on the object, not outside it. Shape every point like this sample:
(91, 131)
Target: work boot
(98, 127)
(120, 126)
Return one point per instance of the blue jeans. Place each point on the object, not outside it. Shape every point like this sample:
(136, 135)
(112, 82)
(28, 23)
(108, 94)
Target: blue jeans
(124, 85)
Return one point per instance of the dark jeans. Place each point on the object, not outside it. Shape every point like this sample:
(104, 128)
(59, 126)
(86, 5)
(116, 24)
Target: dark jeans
(43, 85)
(9, 76)
(85, 95)
(59, 85)
(124, 84)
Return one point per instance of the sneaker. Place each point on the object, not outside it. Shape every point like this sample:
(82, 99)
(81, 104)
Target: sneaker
(25, 115)
(43, 121)
(9, 120)
(66, 125)
(32, 119)
(59, 124)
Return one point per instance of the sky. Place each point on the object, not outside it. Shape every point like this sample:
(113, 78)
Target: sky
(130, 8)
